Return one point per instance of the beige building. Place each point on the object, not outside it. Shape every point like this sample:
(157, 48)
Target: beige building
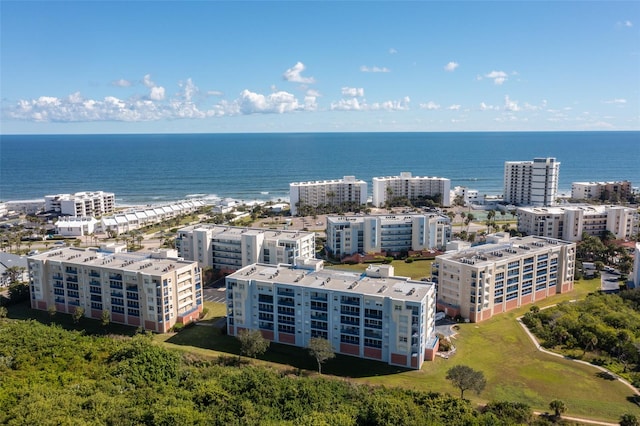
(571, 221)
(140, 290)
(486, 280)
(603, 191)
(229, 248)
(411, 187)
(335, 192)
(531, 183)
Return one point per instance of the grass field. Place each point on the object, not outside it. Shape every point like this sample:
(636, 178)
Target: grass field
(514, 368)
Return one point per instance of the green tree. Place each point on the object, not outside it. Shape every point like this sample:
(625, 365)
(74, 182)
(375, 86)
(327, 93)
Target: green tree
(18, 292)
(3, 312)
(105, 318)
(628, 419)
(78, 313)
(322, 350)
(464, 378)
(558, 408)
(252, 343)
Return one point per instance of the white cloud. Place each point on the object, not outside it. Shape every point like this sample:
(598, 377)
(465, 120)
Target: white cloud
(624, 24)
(365, 68)
(214, 93)
(454, 107)
(430, 106)
(485, 107)
(401, 105)
(293, 74)
(498, 77)
(278, 102)
(616, 101)
(353, 91)
(157, 93)
(392, 51)
(314, 93)
(351, 104)
(188, 89)
(121, 83)
(451, 66)
(510, 105)
(146, 80)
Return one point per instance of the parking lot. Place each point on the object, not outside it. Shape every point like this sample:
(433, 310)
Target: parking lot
(609, 282)
(215, 292)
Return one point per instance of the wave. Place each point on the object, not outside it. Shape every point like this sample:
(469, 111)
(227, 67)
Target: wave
(195, 195)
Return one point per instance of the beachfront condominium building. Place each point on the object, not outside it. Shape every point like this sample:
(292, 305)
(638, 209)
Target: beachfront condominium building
(348, 235)
(531, 183)
(635, 274)
(229, 248)
(348, 192)
(479, 282)
(96, 203)
(602, 191)
(141, 290)
(570, 222)
(373, 315)
(412, 187)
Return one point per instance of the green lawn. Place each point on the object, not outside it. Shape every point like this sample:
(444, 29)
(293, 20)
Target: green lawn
(514, 368)
(416, 270)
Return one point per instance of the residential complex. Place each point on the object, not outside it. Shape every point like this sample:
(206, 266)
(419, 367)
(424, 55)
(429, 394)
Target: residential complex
(139, 218)
(348, 235)
(76, 226)
(570, 222)
(228, 248)
(602, 191)
(96, 203)
(531, 183)
(371, 315)
(334, 192)
(635, 274)
(486, 280)
(411, 187)
(142, 290)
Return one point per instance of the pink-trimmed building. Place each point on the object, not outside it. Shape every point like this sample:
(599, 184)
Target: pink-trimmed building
(479, 282)
(147, 290)
(374, 315)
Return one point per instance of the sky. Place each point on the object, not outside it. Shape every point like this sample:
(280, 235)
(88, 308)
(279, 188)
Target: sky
(318, 66)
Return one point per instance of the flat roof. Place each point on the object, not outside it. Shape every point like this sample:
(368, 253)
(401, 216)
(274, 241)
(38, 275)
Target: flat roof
(126, 262)
(221, 230)
(400, 288)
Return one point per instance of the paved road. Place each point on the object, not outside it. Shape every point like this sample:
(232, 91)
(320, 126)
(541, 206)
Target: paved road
(609, 282)
(215, 292)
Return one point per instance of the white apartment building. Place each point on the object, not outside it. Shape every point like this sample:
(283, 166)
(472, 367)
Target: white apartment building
(73, 226)
(570, 222)
(348, 235)
(469, 196)
(489, 279)
(605, 191)
(334, 192)
(412, 187)
(531, 183)
(139, 218)
(136, 289)
(96, 203)
(374, 315)
(635, 274)
(229, 248)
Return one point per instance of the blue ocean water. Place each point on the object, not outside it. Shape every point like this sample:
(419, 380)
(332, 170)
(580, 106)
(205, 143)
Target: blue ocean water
(159, 168)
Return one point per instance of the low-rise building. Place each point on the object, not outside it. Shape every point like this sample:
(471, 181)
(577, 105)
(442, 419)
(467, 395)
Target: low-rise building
(412, 187)
(13, 266)
(479, 282)
(348, 235)
(141, 290)
(570, 222)
(133, 219)
(95, 203)
(73, 226)
(603, 191)
(228, 248)
(347, 191)
(374, 315)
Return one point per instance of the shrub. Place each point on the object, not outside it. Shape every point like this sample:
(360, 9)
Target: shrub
(177, 327)
(408, 260)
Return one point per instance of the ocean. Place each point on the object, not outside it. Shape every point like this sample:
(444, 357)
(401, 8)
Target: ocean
(160, 168)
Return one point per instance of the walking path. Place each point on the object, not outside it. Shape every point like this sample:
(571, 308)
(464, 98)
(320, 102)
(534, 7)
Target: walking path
(541, 349)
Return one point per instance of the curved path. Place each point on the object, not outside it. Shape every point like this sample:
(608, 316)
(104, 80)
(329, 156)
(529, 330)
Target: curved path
(541, 349)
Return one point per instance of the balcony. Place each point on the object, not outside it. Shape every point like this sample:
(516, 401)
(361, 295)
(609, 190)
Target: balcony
(94, 274)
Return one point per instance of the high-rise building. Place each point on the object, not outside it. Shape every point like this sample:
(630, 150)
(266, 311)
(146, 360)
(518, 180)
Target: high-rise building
(141, 290)
(374, 315)
(531, 183)
(228, 248)
(411, 187)
(479, 282)
(336, 192)
(348, 235)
